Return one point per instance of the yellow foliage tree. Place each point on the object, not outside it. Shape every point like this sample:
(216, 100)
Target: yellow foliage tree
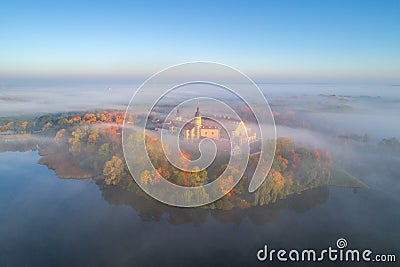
(113, 171)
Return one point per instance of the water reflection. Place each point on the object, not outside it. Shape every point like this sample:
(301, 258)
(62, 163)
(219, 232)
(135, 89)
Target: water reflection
(81, 224)
(149, 209)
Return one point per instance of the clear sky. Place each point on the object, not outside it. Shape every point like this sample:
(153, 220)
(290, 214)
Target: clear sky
(303, 40)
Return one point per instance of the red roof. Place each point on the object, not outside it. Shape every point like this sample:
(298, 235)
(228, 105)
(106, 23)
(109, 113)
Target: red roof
(189, 126)
(208, 126)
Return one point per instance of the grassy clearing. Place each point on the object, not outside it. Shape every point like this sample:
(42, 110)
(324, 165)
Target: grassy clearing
(342, 178)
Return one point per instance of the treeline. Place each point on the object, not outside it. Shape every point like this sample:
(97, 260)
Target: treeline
(98, 148)
(294, 169)
(50, 123)
(94, 141)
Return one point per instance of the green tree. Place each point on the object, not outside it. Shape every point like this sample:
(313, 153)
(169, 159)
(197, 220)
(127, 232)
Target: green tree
(62, 121)
(104, 151)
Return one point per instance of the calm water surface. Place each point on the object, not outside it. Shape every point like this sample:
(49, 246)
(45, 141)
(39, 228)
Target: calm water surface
(47, 221)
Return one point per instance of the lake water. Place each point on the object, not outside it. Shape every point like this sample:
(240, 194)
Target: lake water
(48, 221)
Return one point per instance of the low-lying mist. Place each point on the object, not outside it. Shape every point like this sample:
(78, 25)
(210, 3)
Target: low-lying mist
(323, 116)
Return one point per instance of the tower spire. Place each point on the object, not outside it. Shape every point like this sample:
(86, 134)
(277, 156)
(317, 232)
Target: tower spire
(178, 115)
(197, 114)
(197, 121)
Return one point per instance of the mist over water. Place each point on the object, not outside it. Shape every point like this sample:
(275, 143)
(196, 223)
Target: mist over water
(58, 96)
(107, 226)
(373, 107)
(53, 97)
(323, 112)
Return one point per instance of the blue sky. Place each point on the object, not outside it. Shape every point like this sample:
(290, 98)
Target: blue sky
(270, 40)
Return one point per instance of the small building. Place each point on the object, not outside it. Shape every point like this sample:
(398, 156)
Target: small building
(198, 130)
(242, 134)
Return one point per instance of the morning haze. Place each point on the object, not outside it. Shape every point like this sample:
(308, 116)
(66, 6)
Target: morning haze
(328, 70)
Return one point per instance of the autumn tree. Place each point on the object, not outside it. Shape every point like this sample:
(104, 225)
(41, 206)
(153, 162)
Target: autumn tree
(114, 171)
(145, 177)
(47, 126)
(76, 140)
(24, 125)
(197, 177)
(93, 136)
(61, 137)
